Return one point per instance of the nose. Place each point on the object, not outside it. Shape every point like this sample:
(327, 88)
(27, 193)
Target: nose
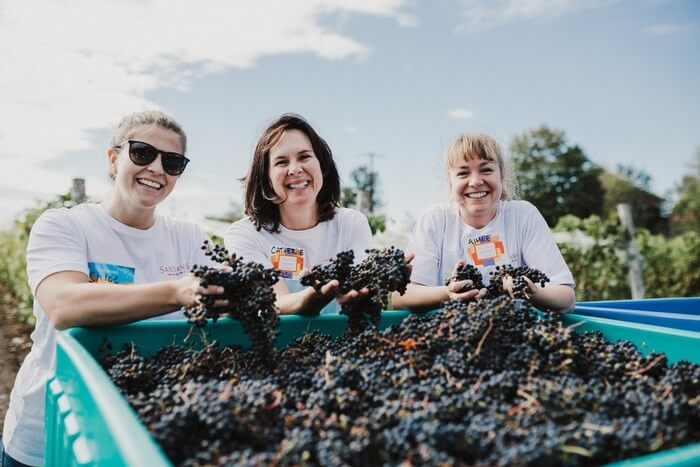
(474, 178)
(294, 168)
(157, 165)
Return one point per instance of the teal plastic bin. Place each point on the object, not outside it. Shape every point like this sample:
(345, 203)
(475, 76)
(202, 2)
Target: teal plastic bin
(88, 423)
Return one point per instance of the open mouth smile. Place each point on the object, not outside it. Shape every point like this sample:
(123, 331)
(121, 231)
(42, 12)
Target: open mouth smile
(298, 185)
(149, 183)
(477, 194)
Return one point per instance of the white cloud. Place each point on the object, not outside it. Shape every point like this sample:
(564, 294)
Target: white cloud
(488, 13)
(664, 29)
(460, 114)
(73, 66)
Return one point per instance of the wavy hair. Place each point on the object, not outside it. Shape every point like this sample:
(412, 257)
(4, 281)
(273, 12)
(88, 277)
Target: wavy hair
(261, 201)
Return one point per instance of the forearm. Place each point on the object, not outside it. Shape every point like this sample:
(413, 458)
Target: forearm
(555, 297)
(304, 302)
(102, 304)
(420, 297)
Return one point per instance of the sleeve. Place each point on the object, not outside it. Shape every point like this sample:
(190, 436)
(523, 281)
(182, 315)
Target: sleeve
(425, 241)
(358, 235)
(55, 245)
(246, 242)
(540, 250)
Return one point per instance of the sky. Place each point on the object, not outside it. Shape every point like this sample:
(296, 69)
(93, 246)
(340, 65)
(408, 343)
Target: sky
(395, 78)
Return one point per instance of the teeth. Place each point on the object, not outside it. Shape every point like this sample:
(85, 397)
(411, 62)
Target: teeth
(299, 185)
(149, 183)
(477, 195)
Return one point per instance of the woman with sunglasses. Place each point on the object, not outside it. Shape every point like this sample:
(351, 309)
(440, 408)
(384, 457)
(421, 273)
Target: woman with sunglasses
(292, 193)
(104, 264)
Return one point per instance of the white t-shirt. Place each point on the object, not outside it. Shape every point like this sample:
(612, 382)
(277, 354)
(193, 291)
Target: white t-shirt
(518, 236)
(88, 240)
(291, 251)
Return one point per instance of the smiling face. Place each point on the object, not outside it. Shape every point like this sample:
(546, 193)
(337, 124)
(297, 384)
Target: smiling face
(476, 186)
(142, 188)
(295, 172)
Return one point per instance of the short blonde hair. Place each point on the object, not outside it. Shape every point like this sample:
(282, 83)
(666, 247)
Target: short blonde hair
(469, 146)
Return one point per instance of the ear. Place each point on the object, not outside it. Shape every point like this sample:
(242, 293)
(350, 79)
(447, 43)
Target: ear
(112, 160)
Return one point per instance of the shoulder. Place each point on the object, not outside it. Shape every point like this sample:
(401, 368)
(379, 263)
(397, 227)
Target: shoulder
(343, 215)
(65, 218)
(181, 226)
(438, 213)
(519, 208)
(242, 226)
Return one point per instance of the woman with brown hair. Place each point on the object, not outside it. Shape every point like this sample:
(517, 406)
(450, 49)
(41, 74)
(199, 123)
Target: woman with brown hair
(294, 222)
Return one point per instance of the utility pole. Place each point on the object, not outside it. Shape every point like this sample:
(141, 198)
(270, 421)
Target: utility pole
(624, 210)
(372, 179)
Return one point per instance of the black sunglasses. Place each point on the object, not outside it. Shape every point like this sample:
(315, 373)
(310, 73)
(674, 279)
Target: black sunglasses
(143, 154)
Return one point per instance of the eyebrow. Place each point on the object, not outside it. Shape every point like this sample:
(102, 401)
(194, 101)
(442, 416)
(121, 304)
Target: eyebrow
(481, 164)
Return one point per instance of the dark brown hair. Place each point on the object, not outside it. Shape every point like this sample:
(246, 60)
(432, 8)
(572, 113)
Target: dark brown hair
(261, 201)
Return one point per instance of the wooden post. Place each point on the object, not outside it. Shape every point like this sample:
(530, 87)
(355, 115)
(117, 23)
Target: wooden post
(624, 210)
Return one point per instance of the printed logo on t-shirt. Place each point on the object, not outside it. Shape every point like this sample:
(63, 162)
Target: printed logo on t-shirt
(486, 250)
(104, 272)
(175, 270)
(288, 261)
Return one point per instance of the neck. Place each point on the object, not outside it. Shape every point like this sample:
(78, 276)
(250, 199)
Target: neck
(138, 218)
(478, 221)
(298, 217)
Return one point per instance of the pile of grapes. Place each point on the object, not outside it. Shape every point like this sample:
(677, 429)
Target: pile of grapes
(381, 272)
(489, 383)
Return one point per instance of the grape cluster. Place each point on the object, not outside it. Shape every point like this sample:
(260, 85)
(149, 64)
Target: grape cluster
(248, 290)
(490, 382)
(467, 272)
(520, 287)
(381, 272)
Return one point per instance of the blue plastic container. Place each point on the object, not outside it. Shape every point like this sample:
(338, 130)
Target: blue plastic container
(684, 305)
(679, 313)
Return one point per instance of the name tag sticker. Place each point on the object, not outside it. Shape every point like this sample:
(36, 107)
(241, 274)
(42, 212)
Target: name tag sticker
(487, 250)
(288, 261)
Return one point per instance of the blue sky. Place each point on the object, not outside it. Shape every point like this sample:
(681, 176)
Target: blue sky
(396, 78)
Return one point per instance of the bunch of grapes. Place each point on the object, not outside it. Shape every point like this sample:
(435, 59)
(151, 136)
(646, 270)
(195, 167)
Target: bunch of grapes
(467, 272)
(381, 272)
(248, 290)
(520, 287)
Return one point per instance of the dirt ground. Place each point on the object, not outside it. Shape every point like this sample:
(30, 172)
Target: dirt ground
(14, 346)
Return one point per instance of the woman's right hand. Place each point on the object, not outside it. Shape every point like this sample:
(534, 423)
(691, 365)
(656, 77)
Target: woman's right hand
(455, 288)
(189, 291)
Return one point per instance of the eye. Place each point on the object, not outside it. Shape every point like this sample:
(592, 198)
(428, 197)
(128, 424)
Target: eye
(487, 170)
(304, 156)
(462, 174)
(280, 163)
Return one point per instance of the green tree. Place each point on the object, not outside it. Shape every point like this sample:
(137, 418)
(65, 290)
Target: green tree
(365, 180)
(556, 177)
(685, 215)
(632, 186)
